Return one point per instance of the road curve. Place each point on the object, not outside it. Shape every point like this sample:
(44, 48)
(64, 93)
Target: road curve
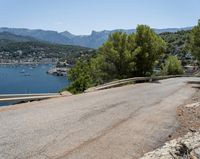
(118, 123)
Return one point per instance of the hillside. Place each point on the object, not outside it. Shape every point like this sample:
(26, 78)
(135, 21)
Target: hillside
(15, 38)
(177, 45)
(11, 44)
(94, 40)
(50, 36)
(17, 48)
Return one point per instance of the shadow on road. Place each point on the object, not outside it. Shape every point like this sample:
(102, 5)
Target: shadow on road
(158, 82)
(193, 82)
(196, 84)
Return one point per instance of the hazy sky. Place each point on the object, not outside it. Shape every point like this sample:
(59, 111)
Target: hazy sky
(83, 16)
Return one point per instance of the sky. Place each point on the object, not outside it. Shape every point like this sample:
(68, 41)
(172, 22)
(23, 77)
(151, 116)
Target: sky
(82, 16)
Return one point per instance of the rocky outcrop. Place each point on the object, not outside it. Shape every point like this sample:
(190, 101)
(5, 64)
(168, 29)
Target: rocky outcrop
(187, 147)
(65, 93)
(58, 71)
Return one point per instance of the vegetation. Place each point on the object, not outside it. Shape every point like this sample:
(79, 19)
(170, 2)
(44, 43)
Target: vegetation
(148, 48)
(172, 66)
(36, 50)
(120, 57)
(116, 57)
(195, 41)
(84, 74)
(177, 46)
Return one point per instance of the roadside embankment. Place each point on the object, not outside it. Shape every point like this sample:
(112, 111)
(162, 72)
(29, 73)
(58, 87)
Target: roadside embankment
(187, 147)
(186, 139)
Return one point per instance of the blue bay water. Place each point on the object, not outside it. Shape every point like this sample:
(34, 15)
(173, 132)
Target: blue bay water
(24, 79)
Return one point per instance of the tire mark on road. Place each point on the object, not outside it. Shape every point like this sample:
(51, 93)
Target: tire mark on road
(101, 110)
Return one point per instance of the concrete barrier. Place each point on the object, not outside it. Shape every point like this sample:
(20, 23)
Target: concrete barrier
(3, 96)
(26, 97)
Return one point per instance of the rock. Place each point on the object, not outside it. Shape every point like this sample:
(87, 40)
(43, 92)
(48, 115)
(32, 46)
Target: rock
(192, 130)
(65, 93)
(197, 152)
(58, 71)
(193, 105)
(180, 148)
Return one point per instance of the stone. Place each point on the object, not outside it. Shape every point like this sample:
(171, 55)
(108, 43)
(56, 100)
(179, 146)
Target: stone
(65, 93)
(180, 148)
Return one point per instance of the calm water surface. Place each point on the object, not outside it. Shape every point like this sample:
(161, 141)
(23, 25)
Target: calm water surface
(20, 79)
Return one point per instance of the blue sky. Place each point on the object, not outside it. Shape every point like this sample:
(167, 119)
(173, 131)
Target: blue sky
(83, 16)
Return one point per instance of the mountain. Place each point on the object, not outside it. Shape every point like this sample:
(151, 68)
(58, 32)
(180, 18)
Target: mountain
(94, 40)
(16, 38)
(44, 35)
(67, 34)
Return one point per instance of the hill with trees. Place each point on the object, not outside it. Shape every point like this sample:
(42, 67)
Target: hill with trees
(11, 44)
(195, 41)
(121, 56)
(136, 54)
(15, 47)
(177, 45)
(94, 40)
(15, 38)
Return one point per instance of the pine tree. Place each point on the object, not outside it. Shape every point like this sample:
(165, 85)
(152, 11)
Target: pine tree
(195, 41)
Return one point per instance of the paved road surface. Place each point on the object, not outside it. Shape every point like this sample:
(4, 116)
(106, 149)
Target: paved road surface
(119, 123)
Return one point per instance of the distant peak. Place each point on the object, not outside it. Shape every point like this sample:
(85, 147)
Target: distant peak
(67, 34)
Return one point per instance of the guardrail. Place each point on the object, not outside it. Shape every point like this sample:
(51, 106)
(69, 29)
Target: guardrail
(26, 97)
(32, 97)
(130, 81)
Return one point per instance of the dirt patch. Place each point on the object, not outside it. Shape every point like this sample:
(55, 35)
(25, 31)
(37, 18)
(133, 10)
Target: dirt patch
(188, 116)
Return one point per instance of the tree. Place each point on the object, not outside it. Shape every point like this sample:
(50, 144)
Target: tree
(85, 74)
(147, 49)
(121, 56)
(80, 77)
(116, 57)
(195, 41)
(172, 66)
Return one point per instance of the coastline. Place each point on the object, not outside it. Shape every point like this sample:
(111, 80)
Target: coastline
(26, 78)
(58, 71)
(28, 63)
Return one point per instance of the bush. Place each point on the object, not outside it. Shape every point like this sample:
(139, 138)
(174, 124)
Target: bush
(80, 77)
(85, 74)
(172, 66)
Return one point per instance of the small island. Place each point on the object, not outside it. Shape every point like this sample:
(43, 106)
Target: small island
(60, 69)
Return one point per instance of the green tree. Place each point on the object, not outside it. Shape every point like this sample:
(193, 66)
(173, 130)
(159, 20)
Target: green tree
(80, 77)
(172, 66)
(120, 57)
(116, 57)
(195, 41)
(147, 49)
(85, 74)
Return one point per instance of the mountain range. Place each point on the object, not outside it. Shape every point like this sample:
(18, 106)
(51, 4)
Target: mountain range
(94, 40)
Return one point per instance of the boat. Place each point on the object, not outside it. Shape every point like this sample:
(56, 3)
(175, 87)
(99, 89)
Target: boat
(22, 71)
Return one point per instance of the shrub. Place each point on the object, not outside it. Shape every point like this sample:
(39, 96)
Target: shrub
(172, 66)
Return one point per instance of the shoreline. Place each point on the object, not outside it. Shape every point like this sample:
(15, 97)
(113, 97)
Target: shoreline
(58, 71)
(28, 63)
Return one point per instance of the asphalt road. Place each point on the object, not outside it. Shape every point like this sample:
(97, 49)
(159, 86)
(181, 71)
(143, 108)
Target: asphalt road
(119, 123)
